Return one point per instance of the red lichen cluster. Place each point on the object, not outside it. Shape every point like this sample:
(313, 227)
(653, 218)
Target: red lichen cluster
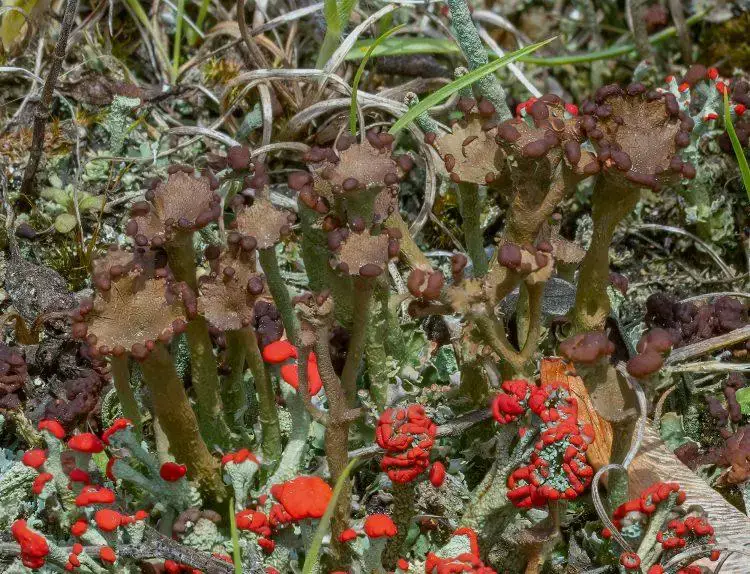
(679, 534)
(302, 498)
(239, 457)
(557, 468)
(34, 547)
(285, 354)
(467, 562)
(407, 435)
(640, 508)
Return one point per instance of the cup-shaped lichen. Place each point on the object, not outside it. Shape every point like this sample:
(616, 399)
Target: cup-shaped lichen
(638, 135)
(138, 316)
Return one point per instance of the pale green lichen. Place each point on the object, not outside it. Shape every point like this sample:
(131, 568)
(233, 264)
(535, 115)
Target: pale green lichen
(475, 53)
(117, 121)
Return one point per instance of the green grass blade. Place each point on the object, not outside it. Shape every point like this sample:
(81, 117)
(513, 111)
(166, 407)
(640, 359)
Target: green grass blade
(236, 551)
(464, 81)
(333, 32)
(736, 145)
(358, 76)
(313, 553)
(404, 47)
(345, 12)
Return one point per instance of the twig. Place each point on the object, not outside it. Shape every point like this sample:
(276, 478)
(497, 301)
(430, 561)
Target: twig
(678, 17)
(43, 107)
(636, 22)
(708, 345)
(257, 57)
(156, 545)
(703, 245)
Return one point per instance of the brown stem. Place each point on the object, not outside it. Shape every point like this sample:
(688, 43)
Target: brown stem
(536, 197)
(206, 384)
(360, 317)
(336, 438)
(637, 23)
(678, 17)
(337, 456)
(402, 513)
(256, 55)
(610, 205)
(41, 111)
(205, 377)
(493, 333)
(233, 394)
(531, 344)
(179, 423)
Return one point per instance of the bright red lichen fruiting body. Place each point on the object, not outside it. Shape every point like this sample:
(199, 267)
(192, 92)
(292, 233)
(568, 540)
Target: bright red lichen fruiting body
(79, 475)
(407, 435)
(466, 562)
(79, 527)
(267, 545)
(53, 427)
(172, 472)
(558, 468)
(630, 561)
(348, 535)
(303, 497)
(254, 521)
(279, 352)
(380, 526)
(34, 547)
(239, 457)
(108, 520)
(437, 474)
(38, 485)
(95, 495)
(86, 442)
(34, 458)
(106, 554)
(115, 427)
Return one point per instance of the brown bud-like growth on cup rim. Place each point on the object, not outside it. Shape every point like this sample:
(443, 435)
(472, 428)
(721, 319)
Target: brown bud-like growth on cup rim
(360, 253)
(133, 315)
(13, 375)
(354, 170)
(470, 153)
(548, 132)
(229, 293)
(587, 348)
(181, 203)
(652, 348)
(262, 225)
(638, 135)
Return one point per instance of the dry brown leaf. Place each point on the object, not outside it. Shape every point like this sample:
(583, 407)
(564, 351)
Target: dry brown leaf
(655, 462)
(599, 451)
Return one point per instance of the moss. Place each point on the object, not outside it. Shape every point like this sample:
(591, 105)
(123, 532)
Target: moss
(727, 44)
